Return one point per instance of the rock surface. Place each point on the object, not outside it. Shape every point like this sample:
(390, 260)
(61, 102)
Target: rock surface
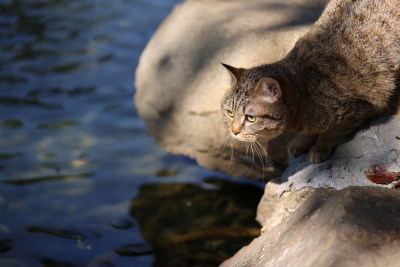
(356, 226)
(180, 81)
(378, 143)
(308, 222)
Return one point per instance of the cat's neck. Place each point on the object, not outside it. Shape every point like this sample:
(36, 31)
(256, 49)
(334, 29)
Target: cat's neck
(303, 108)
(291, 95)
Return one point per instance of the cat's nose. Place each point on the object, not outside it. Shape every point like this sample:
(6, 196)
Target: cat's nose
(235, 132)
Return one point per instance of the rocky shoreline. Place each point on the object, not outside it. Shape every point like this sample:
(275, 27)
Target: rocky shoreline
(324, 214)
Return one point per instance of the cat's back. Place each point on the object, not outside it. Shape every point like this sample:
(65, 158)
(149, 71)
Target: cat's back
(368, 30)
(366, 21)
(357, 45)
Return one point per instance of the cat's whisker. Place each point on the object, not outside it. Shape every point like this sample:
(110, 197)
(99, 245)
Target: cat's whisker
(268, 138)
(259, 154)
(263, 149)
(252, 164)
(267, 157)
(247, 151)
(232, 144)
(226, 140)
(273, 165)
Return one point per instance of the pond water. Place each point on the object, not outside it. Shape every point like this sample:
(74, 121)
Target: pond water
(81, 184)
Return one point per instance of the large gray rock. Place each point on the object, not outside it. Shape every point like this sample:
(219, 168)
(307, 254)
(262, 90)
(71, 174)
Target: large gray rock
(356, 226)
(351, 227)
(180, 81)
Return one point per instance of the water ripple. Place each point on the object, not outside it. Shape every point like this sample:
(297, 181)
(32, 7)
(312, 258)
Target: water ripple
(16, 101)
(29, 181)
(63, 233)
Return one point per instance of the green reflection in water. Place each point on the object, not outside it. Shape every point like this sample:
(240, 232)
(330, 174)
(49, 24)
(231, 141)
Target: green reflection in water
(67, 67)
(49, 155)
(12, 123)
(47, 179)
(4, 156)
(187, 225)
(166, 173)
(18, 102)
(63, 233)
(13, 79)
(58, 125)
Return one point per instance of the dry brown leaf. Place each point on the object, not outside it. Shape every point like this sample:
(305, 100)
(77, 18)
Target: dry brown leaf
(379, 175)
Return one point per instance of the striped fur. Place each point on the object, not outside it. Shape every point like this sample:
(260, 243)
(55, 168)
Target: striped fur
(344, 71)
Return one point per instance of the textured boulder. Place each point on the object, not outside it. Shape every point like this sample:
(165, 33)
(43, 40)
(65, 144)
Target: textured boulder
(377, 143)
(330, 214)
(180, 81)
(356, 226)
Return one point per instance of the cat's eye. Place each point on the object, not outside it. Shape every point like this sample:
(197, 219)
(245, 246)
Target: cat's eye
(230, 113)
(250, 118)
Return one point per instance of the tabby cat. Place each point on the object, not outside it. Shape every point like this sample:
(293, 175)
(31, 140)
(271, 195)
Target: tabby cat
(343, 72)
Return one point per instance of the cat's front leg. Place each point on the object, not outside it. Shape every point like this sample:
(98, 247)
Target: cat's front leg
(301, 144)
(319, 153)
(325, 146)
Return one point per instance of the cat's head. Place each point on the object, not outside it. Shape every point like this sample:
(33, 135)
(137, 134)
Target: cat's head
(254, 105)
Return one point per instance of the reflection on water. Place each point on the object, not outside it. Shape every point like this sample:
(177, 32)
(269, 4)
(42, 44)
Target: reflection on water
(80, 182)
(192, 225)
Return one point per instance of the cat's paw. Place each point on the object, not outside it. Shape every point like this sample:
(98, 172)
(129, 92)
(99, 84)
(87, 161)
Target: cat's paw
(318, 154)
(300, 145)
(296, 150)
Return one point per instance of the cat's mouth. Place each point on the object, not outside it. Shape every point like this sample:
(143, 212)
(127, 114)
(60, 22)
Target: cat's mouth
(244, 137)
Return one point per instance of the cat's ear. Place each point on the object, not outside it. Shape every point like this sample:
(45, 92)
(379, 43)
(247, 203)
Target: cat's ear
(235, 72)
(269, 90)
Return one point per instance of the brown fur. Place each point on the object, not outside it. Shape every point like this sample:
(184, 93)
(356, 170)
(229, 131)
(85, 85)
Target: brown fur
(340, 74)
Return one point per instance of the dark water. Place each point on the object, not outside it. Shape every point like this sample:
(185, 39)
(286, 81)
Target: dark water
(80, 181)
